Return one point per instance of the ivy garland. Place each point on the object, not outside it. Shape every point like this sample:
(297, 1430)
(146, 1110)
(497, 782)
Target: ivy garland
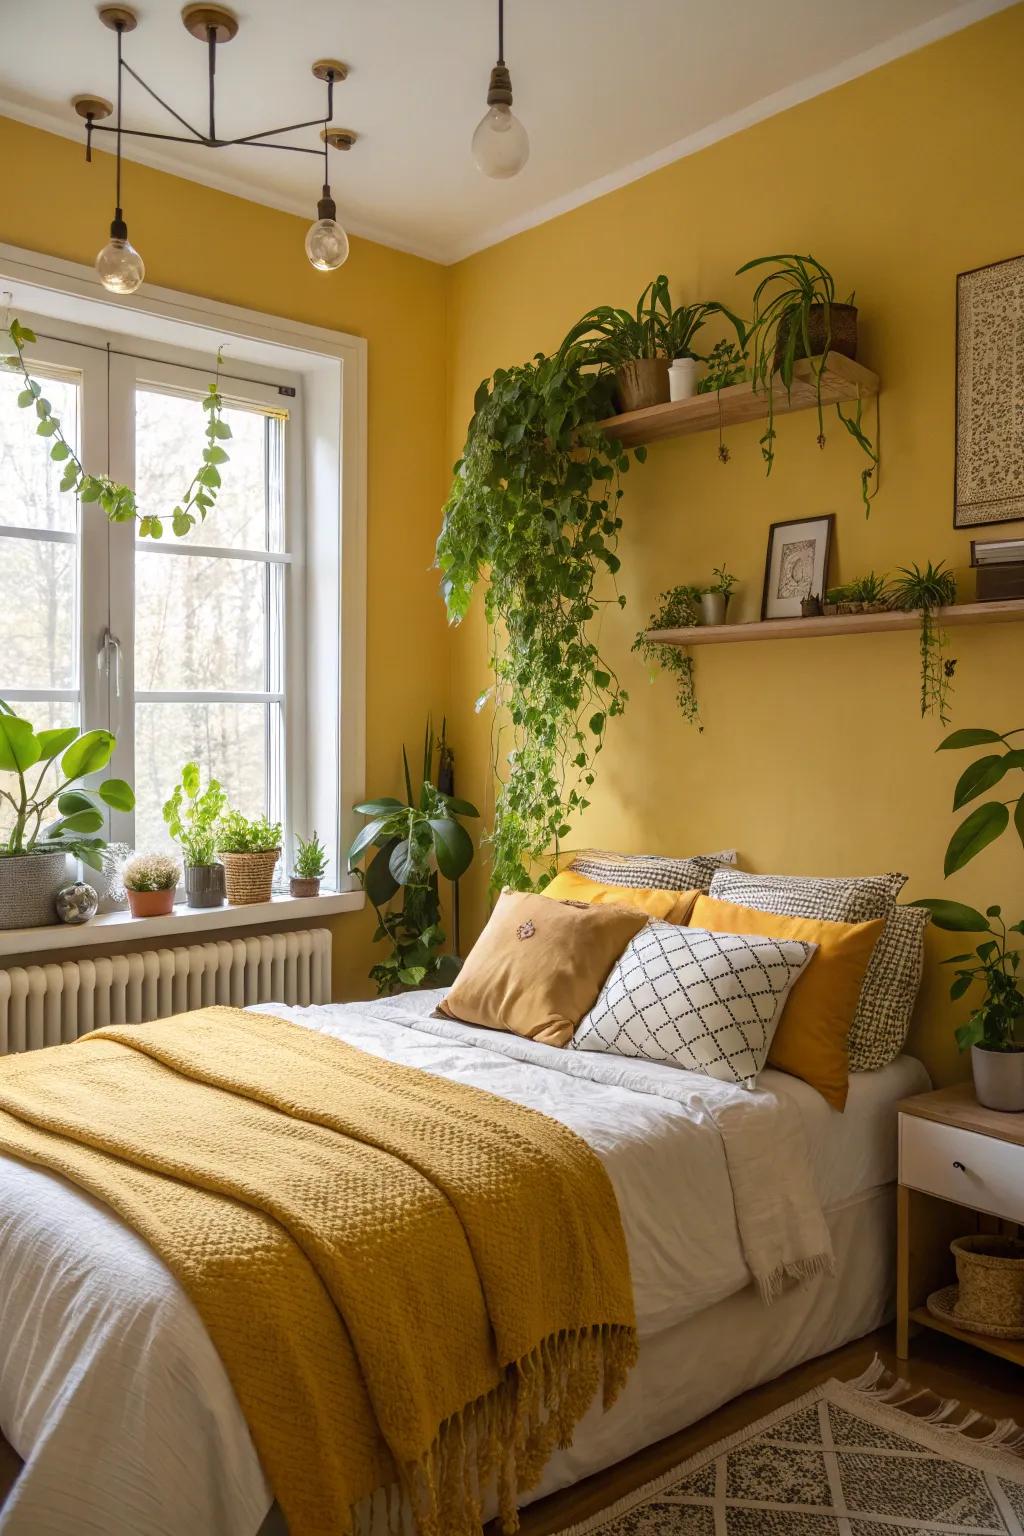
(678, 608)
(118, 501)
(535, 505)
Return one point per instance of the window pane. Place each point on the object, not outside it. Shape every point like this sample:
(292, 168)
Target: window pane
(42, 715)
(229, 742)
(38, 614)
(29, 479)
(169, 445)
(200, 624)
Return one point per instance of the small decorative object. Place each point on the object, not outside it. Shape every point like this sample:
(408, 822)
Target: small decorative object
(500, 144)
(50, 823)
(678, 609)
(797, 564)
(933, 588)
(525, 930)
(682, 378)
(191, 818)
(989, 478)
(810, 607)
(151, 879)
(999, 567)
(76, 903)
(249, 851)
(310, 865)
(714, 600)
(989, 1297)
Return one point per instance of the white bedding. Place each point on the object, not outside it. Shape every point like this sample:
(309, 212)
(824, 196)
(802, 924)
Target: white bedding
(113, 1395)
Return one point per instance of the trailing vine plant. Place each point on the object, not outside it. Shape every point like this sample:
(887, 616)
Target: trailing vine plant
(118, 501)
(727, 364)
(678, 608)
(534, 505)
(923, 591)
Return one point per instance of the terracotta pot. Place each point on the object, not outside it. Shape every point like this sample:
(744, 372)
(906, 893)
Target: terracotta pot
(304, 885)
(841, 321)
(999, 1078)
(642, 382)
(151, 903)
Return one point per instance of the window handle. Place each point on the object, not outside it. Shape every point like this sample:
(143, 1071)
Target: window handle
(110, 647)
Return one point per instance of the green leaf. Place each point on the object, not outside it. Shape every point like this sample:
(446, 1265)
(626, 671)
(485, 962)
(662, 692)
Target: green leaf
(967, 738)
(382, 807)
(959, 987)
(970, 1033)
(71, 801)
(453, 846)
(89, 820)
(954, 916)
(461, 807)
(60, 451)
(982, 774)
(402, 862)
(53, 742)
(1018, 818)
(974, 833)
(89, 754)
(597, 723)
(117, 794)
(365, 838)
(378, 881)
(19, 744)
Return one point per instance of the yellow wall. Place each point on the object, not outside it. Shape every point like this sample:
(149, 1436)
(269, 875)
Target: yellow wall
(814, 758)
(201, 241)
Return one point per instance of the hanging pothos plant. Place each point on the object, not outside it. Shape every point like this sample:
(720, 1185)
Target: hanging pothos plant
(118, 501)
(678, 608)
(534, 505)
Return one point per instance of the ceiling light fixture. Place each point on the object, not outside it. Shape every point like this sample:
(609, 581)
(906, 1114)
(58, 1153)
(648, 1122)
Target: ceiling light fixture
(120, 267)
(500, 144)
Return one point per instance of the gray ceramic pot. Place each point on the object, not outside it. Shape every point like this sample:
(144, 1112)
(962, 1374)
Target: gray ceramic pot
(999, 1078)
(713, 607)
(204, 885)
(29, 884)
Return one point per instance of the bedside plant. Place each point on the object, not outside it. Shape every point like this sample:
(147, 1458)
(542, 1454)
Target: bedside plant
(249, 850)
(310, 867)
(191, 816)
(914, 590)
(679, 608)
(150, 881)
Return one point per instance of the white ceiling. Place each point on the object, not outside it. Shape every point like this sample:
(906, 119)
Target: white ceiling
(608, 89)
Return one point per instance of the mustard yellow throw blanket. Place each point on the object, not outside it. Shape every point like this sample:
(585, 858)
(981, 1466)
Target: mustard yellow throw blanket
(415, 1286)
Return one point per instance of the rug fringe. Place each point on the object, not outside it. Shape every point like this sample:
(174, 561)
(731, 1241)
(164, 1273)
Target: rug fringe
(881, 1385)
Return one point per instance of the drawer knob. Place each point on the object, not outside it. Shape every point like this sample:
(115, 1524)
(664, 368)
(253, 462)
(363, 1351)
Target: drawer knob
(960, 1166)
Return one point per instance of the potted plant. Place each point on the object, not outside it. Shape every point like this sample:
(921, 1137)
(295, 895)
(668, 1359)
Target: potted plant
(866, 594)
(310, 867)
(150, 881)
(925, 591)
(249, 850)
(678, 608)
(714, 600)
(682, 326)
(191, 818)
(48, 766)
(403, 849)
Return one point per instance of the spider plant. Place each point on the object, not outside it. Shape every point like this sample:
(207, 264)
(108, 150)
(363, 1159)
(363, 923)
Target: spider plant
(611, 337)
(914, 590)
(727, 364)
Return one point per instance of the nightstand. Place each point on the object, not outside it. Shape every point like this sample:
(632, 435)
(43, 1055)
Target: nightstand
(961, 1170)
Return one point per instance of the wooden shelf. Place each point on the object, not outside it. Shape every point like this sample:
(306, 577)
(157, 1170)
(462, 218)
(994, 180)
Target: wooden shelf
(1003, 612)
(1006, 1349)
(842, 379)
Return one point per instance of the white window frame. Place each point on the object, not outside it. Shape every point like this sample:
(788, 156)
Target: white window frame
(333, 465)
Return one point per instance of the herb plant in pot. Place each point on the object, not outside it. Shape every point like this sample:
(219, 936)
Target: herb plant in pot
(714, 600)
(191, 816)
(150, 881)
(310, 867)
(46, 814)
(249, 850)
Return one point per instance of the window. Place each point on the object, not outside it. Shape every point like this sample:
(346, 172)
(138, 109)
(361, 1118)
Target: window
(185, 648)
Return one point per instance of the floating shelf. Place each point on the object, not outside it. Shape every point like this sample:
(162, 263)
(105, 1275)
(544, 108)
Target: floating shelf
(841, 380)
(1004, 612)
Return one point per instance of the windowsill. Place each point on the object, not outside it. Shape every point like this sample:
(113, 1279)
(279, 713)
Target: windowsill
(183, 922)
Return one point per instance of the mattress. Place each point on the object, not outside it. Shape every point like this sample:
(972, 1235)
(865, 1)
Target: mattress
(114, 1397)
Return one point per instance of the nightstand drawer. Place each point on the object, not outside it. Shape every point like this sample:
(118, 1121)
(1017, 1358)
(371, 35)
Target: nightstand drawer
(972, 1169)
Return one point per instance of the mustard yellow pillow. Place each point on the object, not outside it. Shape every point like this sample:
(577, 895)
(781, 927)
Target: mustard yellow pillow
(673, 906)
(811, 1038)
(538, 966)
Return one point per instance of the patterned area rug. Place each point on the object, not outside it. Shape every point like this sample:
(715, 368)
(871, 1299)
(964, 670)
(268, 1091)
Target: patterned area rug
(868, 1458)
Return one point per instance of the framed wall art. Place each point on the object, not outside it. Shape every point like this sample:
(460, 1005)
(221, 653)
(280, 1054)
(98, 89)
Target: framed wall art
(988, 485)
(797, 564)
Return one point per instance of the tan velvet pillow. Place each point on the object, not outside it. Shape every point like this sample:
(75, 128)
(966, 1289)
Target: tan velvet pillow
(811, 1038)
(673, 906)
(538, 966)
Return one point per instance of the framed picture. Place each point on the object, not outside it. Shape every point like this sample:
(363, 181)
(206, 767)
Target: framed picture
(988, 482)
(797, 564)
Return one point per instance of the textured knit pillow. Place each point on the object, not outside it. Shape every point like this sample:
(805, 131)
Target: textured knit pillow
(650, 871)
(708, 1002)
(673, 906)
(893, 977)
(538, 966)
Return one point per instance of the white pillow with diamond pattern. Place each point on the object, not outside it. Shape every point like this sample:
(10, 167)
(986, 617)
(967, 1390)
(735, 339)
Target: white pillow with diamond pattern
(706, 1001)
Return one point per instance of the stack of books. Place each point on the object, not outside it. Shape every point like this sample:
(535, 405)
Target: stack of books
(1000, 568)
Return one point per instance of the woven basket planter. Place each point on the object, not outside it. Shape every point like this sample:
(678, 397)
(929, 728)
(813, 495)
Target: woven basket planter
(249, 877)
(990, 1270)
(29, 884)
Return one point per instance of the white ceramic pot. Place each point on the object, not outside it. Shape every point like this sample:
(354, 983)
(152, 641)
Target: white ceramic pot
(682, 378)
(999, 1078)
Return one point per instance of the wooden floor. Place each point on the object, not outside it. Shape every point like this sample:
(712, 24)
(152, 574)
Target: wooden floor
(991, 1386)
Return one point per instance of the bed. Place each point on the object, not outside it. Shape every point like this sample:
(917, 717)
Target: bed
(113, 1396)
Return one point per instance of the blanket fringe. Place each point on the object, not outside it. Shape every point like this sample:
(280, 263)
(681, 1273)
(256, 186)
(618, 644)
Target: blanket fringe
(506, 1435)
(880, 1385)
(799, 1272)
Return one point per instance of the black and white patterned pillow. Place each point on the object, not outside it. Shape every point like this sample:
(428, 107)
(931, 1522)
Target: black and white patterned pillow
(893, 976)
(709, 1002)
(647, 871)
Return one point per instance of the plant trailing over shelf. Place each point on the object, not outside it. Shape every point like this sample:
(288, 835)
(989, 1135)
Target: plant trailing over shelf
(678, 608)
(989, 821)
(404, 848)
(794, 313)
(915, 590)
(727, 364)
(534, 505)
(118, 501)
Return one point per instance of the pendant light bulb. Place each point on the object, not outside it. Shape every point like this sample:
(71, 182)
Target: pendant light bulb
(500, 144)
(121, 269)
(326, 241)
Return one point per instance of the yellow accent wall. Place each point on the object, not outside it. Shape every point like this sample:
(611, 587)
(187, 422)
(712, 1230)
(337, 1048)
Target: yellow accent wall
(814, 758)
(202, 241)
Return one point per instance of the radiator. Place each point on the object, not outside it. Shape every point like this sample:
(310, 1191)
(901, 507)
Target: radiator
(47, 1004)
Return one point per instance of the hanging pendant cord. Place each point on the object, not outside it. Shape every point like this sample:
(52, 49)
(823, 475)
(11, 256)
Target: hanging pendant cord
(117, 199)
(501, 31)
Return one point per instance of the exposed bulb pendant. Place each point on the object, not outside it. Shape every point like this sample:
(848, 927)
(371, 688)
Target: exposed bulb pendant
(121, 269)
(326, 241)
(500, 144)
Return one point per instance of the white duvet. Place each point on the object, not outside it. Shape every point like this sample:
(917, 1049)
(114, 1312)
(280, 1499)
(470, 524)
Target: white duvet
(112, 1393)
